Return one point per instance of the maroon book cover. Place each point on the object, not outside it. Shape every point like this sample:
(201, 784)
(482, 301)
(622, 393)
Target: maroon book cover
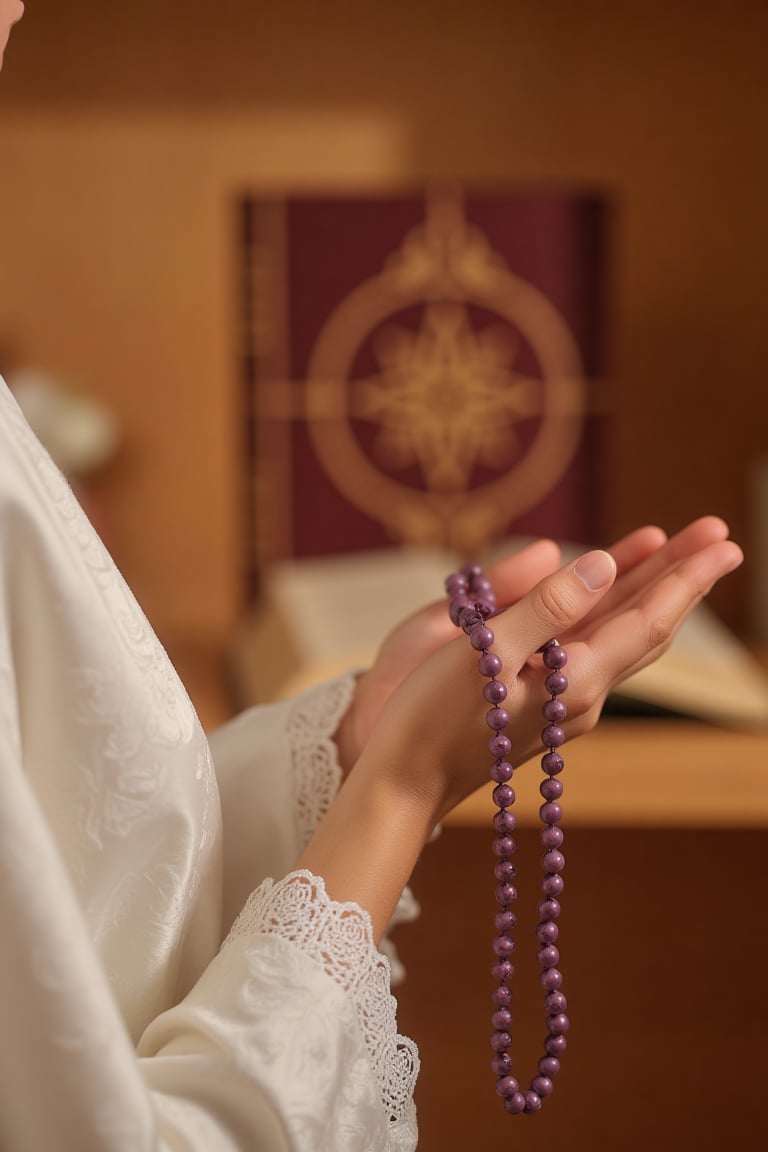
(420, 369)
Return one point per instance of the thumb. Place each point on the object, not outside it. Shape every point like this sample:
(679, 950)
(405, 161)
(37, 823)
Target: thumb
(563, 599)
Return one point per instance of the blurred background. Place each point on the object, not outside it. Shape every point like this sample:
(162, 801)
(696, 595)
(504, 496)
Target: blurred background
(131, 137)
(128, 133)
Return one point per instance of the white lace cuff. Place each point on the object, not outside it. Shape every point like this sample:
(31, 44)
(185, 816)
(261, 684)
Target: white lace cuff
(310, 725)
(339, 937)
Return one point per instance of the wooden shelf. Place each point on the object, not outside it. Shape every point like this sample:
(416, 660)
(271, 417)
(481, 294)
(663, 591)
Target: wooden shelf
(649, 773)
(628, 773)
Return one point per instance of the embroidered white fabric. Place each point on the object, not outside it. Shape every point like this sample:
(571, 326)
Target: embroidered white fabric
(311, 722)
(130, 1032)
(339, 937)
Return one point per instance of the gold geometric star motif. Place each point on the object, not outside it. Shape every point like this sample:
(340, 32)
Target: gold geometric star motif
(447, 397)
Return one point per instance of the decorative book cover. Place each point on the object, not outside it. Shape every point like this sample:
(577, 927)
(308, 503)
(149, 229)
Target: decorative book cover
(420, 369)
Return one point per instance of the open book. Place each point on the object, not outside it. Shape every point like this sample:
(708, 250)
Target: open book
(331, 613)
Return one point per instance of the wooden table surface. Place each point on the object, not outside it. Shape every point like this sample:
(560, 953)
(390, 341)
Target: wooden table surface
(648, 772)
(627, 773)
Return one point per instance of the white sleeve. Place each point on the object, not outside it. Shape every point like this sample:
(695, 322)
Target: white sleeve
(125, 1024)
(286, 1043)
(298, 1000)
(278, 770)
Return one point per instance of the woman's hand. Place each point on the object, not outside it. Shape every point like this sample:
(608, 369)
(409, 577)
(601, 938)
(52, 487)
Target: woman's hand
(422, 634)
(425, 737)
(416, 638)
(615, 613)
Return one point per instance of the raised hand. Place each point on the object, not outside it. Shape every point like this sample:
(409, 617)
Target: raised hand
(423, 735)
(423, 633)
(420, 635)
(615, 614)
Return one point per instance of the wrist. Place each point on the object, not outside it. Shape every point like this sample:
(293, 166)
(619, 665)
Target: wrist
(368, 843)
(347, 736)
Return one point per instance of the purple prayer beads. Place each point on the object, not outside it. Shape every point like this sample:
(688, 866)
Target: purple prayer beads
(472, 602)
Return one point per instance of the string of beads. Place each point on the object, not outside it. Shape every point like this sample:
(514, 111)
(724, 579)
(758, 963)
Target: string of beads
(472, 602)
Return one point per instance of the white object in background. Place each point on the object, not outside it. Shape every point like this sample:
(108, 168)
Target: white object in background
(79, 433)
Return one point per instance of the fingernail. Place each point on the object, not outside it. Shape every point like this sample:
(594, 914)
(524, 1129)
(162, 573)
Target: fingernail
(595, 570)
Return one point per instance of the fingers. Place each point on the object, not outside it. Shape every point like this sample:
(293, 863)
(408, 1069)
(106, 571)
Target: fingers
(629, 640)
(556, 604)
(631, 550)
(429, 628)
(690, 540)
(695, 536)
(512, 578)
(515, 575)
(636, 578)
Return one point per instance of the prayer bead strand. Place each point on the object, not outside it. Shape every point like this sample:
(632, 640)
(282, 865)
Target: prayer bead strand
(472, 602)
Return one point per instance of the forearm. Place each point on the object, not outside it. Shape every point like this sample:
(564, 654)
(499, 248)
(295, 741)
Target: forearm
(368, 843)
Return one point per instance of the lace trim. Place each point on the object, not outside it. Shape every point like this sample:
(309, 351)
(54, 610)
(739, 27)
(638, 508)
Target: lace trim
(406, 910)
(340, 938)
(310, 725)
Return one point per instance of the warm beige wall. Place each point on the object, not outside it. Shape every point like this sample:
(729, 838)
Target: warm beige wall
(119, 272)
(125, 130)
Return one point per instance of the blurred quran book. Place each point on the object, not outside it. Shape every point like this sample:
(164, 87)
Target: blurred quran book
(421, 369)
(320, 616)
(708, 674)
